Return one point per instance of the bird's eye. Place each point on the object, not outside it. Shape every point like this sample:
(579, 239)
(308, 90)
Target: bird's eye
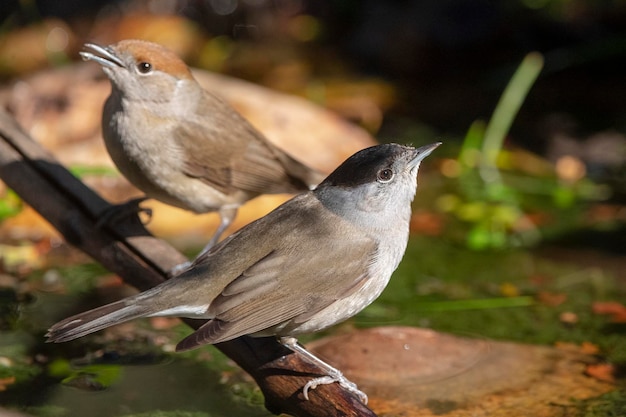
(144, 67)
(385, 175)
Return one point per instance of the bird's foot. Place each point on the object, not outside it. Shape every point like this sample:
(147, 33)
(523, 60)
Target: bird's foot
(332, 374)
(119, 212)
(330, 379)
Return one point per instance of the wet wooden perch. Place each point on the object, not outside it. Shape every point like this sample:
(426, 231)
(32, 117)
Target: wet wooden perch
(130, 251)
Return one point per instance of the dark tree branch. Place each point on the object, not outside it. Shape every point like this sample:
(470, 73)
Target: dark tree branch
(129, 250)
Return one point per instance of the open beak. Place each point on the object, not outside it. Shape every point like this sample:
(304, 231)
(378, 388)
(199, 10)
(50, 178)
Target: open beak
(422, 152)
(102, 55)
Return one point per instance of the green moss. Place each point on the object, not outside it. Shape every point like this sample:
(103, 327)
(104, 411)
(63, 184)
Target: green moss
(496, 294)
(612, 404)
(158, 413)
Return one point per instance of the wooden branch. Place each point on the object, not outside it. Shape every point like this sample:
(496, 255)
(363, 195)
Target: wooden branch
(129, 250)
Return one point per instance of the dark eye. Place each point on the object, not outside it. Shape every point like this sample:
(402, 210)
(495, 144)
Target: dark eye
(385, 175)
(144, 67)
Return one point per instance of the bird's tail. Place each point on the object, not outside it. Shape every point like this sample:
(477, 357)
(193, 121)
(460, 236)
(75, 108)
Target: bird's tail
(97, 319)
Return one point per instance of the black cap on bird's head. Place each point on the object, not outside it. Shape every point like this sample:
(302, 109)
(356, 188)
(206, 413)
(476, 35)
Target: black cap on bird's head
(373, 164)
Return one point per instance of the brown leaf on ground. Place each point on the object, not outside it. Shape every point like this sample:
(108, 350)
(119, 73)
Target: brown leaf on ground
(601, 371)
(551, 299)
(568, 317)
(589, 348)
(416, 372)
(5, 382)
(585, 348)
(616, 310)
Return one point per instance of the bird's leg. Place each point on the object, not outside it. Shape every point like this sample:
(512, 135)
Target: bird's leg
(118, 212)
(227, 215)
(332, 374)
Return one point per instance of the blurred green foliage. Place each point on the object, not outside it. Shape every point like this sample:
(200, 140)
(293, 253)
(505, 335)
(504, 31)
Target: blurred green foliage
(495, 194)
(10, 205)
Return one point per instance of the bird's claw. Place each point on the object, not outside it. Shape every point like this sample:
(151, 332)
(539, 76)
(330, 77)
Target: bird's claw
(117, 213)
(329, 379)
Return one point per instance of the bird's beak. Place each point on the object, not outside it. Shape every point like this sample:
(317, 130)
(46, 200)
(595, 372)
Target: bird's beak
(422, 152)
(102, 55)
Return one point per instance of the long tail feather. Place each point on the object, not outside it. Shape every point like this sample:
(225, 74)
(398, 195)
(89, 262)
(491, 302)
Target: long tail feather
(93, 320)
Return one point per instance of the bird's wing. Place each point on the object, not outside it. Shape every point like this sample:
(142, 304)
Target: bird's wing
(231, 154)
(289, 285)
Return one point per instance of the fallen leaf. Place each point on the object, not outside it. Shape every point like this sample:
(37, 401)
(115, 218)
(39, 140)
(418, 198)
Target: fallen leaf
(589, 348)
(568, 317)
(601, 371)
(586, 348)
(567, 346)
(5, 382)
(614, 309)
(551, 299)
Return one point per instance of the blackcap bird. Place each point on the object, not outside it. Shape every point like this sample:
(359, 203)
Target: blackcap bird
(314, 261)
(182, 145)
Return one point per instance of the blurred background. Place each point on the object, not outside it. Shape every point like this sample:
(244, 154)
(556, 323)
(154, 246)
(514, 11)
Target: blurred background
(522, 211)
(435, 64)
